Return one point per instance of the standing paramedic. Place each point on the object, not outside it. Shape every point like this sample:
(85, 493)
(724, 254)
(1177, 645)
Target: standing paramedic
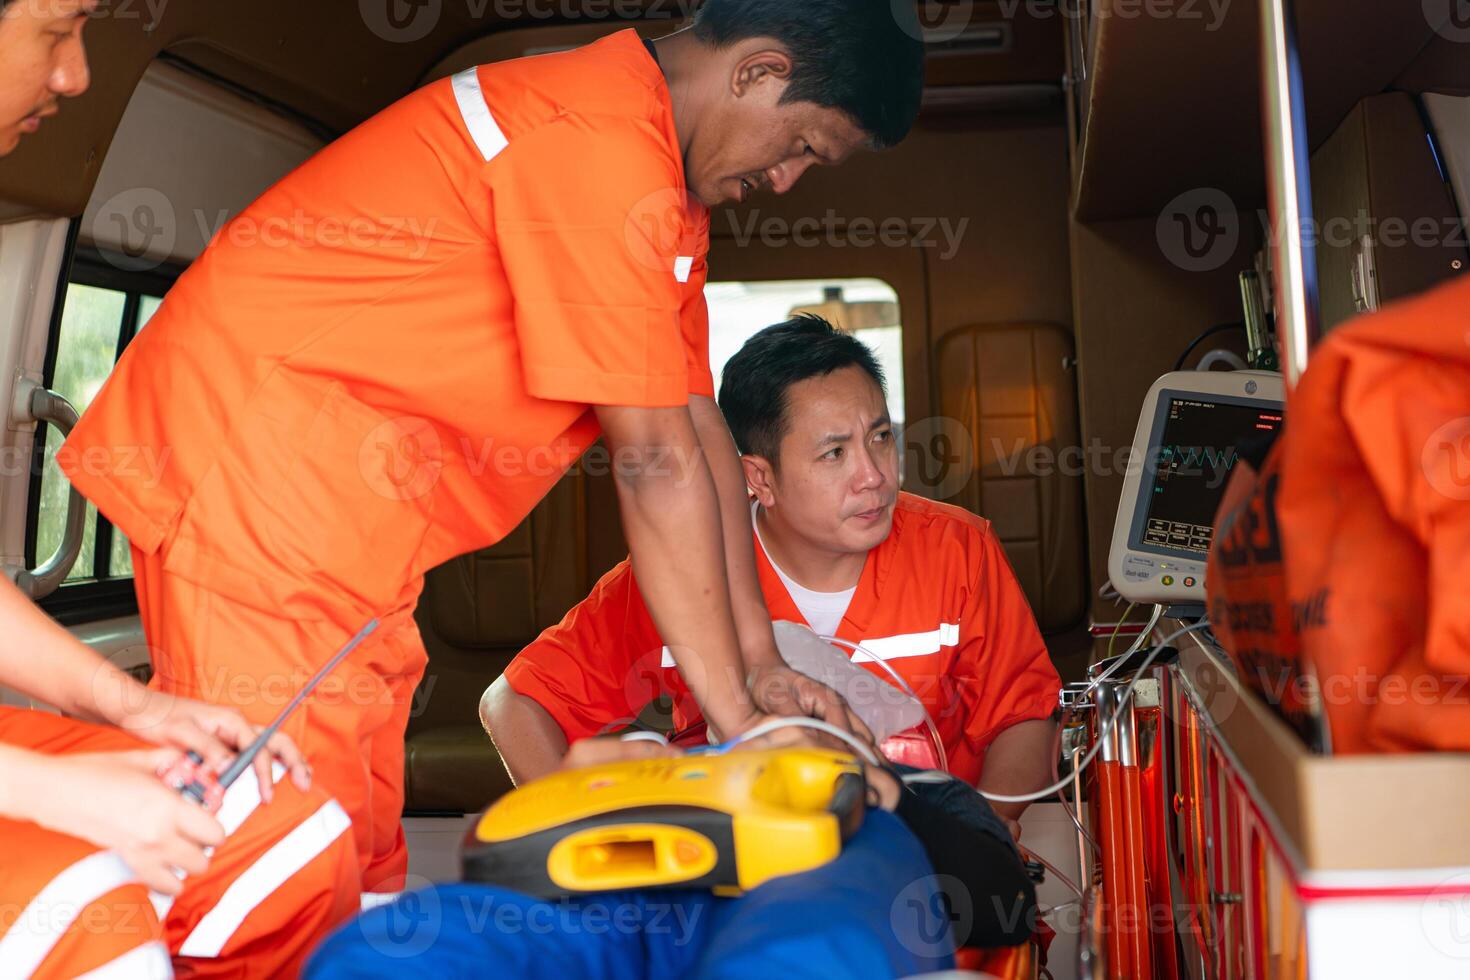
(87, 828)
(370, 368)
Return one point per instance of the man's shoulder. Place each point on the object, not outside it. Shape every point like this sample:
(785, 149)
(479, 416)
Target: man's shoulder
(610, 79)
(920, 521)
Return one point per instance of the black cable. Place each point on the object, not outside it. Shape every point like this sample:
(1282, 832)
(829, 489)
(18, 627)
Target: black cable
(1217, 328)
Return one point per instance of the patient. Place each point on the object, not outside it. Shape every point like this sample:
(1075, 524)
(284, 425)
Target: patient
(921, 585)
(913, 883)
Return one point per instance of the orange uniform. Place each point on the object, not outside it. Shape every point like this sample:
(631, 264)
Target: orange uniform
(286, 875)
(937, 601)
(384, 362)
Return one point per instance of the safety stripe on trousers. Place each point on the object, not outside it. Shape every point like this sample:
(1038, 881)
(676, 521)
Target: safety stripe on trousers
(55, 908)
(241, 800)
(258, 882)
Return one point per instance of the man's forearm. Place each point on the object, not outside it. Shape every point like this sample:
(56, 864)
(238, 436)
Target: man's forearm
(45, 662)
(752, 619)
(671, 517)
(1019, 762)
(530, 742)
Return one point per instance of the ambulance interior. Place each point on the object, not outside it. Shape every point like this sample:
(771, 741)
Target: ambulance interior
(1077, 204)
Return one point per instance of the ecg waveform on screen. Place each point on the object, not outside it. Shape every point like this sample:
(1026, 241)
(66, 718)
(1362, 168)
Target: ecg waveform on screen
(1197, 458)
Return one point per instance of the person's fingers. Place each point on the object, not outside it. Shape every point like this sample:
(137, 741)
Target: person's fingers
(187, 857)
(785, 737)
(154, 874)
(198, 826)
(284, 749)
(599, 751)
(263, 776)
(152, 761)
(211, 747)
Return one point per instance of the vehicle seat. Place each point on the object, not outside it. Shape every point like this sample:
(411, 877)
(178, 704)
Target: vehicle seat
(1013, 388)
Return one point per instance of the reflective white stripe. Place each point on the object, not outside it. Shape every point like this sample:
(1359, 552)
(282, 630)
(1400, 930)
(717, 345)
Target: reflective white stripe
(667, 659)
(484, 130)
(258, 882)
(371, 900)
(240, 801)
(908, 644)
(683, 265)
(47, 917)
(147, 962)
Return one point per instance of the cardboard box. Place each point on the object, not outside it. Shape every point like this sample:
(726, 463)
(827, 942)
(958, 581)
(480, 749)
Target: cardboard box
(1352, 813)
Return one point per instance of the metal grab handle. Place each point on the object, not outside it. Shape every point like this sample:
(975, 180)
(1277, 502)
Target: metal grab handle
(43, 405)
(1289, 188)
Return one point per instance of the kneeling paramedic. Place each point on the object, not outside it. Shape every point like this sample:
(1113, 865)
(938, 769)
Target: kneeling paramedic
(344, 413)
(921, 585)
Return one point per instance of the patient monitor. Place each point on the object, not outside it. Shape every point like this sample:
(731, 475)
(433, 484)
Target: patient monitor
(1183, 453)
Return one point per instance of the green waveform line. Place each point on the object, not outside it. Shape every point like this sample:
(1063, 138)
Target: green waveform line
(1196, 457)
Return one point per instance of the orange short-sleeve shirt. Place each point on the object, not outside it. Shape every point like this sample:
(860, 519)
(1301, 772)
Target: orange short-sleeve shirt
(391, 356)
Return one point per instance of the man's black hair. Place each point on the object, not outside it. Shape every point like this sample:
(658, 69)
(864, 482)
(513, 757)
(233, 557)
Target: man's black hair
(864, 57)
(753, 392)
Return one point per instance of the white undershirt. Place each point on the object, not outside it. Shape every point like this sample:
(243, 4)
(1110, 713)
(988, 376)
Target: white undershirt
(823, 611)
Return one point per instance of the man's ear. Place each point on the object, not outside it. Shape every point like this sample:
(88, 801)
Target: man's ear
(761, 478)
(760, 66)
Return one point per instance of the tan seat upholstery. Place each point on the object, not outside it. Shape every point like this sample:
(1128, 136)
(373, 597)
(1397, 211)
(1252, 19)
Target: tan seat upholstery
(1012, 389)
(476, 613)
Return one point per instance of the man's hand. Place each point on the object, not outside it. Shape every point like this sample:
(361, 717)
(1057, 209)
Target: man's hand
(217, 733)
(600, 751)
(781, 691)
(116, 801)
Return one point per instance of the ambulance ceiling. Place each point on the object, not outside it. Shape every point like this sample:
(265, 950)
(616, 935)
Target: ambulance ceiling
(1178, 96)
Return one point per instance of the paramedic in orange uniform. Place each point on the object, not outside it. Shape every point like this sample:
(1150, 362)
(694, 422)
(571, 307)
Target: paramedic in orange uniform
(390, 357)
(86, 826)
(922, 585)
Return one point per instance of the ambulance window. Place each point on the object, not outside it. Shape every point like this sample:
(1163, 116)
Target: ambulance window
(866, 308)
(103, 309)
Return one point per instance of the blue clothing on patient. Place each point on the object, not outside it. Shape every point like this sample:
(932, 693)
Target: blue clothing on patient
(875, 912)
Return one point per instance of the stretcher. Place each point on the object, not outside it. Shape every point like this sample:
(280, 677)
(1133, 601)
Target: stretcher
(874, 912)
(1216, 845)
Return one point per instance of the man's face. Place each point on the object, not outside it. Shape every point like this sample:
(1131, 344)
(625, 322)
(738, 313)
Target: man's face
(749, 140)
(41, 60)
(837, 478)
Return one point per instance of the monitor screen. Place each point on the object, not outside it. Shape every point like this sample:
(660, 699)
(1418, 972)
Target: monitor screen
(1193, 450)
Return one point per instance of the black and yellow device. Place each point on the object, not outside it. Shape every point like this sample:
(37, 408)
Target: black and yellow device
(727, 822)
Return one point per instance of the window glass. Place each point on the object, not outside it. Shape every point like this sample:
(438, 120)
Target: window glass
(91, 324)
(867, 308)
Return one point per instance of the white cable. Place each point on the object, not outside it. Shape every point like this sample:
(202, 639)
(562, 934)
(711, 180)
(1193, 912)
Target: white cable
(644, 737)
(776, 724)
(928, 718)
(1057, 908)
(1104, 727)
(1220, 356)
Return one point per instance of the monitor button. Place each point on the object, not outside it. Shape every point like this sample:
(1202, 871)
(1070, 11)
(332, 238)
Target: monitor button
(1189, 581)
(1167, 580)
